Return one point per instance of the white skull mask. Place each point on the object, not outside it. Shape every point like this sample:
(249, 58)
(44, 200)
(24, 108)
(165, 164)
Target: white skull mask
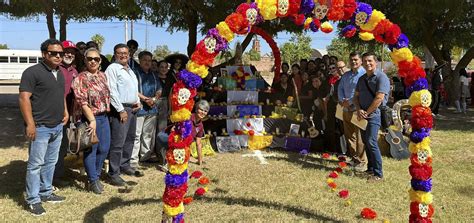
(179, 155)
(360, 18)
(183, 96)
(320, 11)
(210, 44)
(251, 15)
(423, 210)
(283, 6)
(425, 99)
(422, 156)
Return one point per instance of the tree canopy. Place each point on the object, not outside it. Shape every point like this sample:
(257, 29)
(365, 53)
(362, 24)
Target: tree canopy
(297, 48)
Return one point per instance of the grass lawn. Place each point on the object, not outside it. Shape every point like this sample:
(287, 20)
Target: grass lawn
(288, 189)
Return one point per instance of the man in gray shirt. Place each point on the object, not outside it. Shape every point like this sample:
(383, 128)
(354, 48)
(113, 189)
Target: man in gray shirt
(123, 86)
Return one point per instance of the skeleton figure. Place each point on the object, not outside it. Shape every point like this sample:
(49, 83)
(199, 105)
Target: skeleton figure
(251, 15)
(422, 156)
(320, 11)
(361, 18)
(423, 210)
(183, 96)
(283, 6)
(210, 44)
(179, 155)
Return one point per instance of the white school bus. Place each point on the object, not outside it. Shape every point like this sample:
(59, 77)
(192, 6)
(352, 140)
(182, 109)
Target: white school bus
(14, 62)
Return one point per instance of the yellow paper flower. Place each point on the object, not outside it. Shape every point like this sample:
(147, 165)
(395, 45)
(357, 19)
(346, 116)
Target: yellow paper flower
(375, 18)
(177, 169)
(366, 36)
(326, 27)
(420, 196)
(401, 55)
(173, 211)
(422, 98)
(423, 145)
(180, 115)
(307, 22)
(330, 180)
(268, 8)
(348, 203)
(225, 31)
(200, 70)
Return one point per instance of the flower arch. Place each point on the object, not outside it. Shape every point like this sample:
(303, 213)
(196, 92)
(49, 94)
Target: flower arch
(273, 45)
(369, 23)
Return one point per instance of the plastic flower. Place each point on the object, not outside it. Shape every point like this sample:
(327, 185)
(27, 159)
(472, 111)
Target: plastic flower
(200, 191)
(203, 180)
(344, 194)
(196, 174)
(368, 213)
(188, 200)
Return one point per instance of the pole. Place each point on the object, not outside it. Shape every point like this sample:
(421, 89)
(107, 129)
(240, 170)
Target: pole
(131, 29)
(126, 30)
(146, 35)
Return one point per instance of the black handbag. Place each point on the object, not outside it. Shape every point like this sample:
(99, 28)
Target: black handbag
(385, 111)
(79, 139)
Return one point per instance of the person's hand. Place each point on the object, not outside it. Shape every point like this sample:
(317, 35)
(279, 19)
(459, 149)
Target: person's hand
(361, 114)
(149, 102)
(123, 116)
(136, 107)
(65, 118)
(31, 132)
(346, 103)
(92, 127)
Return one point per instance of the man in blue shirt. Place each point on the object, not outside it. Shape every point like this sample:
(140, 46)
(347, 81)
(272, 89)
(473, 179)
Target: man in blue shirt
(149, 88)
(125, 103)
(346, 89)
(372, 90)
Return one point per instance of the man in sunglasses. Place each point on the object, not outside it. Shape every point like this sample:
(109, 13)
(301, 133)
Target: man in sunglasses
(42, 105)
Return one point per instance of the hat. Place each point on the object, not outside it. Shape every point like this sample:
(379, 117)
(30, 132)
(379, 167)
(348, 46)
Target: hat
(68, 44)
(173, 57)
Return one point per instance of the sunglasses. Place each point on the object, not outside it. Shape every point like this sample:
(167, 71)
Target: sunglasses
(96, 59)
(55, 53)
(332, 68)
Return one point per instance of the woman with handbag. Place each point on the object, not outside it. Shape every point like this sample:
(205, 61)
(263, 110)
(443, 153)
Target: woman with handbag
(93, 97)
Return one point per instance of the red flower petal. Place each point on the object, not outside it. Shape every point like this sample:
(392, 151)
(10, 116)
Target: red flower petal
(196, 174)
(200, 191)
(188, 200)
(344, 194)
(368, 213)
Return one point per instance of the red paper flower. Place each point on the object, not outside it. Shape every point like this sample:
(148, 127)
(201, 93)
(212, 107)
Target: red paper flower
(200, 191)
(251, 132)
(201, 56)
(342, 164)
(299, 19)
(237, 23)
(350, 33)
(414, 160)
(174, 195)
(339, 169)
(326, 155)
(349, 8)
(420, 172)
(174, 97)
(386, 32)
(203, 180)
(336, 12)
(368, 213)
(248, 124)
(344, 194)
(188, 200)
(415, 210)
(406, 68)
(180, 143)
(418, 219)
(333, 175)
(170, 155)
(421, 117)
(332, 185)
(196, 174)
(413, 76)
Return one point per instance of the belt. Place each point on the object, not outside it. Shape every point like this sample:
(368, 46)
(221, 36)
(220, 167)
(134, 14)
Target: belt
(127, 105)
(100, 113)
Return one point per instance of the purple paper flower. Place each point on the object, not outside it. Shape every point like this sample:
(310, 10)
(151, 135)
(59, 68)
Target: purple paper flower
(421, 185)
(418, 85)
(178, 218)
(401, 43)
(346, 29)
(313, 27)
(184, 128)
(363, 7)
(176, 180)
(221, 43)
(417, 135)
(307, 7)
(259, 17)
(190, 79)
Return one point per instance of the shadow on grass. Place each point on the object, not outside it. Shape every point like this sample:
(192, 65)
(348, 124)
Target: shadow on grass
(12, 178)
(12, 129)
(304, 161)
(97, 214)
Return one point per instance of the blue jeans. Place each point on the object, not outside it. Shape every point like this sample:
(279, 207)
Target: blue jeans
(95, 157)
(372, 150)
(161, 145)
(42, 157)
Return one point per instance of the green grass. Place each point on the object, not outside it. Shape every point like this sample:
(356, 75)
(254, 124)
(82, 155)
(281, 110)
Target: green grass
(289, 189)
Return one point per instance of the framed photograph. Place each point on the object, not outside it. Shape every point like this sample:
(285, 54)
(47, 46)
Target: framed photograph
(224, 72)
(294, 129)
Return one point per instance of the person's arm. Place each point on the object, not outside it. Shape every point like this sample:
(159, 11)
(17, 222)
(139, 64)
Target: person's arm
(340, 91)
(66, 113)
(199, 149)
(379, 96)
(383, 88)
(26, 111)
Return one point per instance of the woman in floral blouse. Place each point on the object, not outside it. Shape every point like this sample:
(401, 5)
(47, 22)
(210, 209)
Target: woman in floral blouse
(93, 97)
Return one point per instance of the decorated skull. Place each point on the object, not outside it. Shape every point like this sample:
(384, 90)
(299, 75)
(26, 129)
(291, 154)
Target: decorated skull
(251, 15)
(422, 156)
(183, 96)
(283, 6)
(179, 155)
(320, 11)
(361, 18)
(425, 99)
(210, 44)
(423, 209)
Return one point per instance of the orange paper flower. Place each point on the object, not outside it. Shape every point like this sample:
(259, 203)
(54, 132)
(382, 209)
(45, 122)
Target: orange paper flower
(342, 164)
(203, 180)
(326, 155)
(188, 200)
(332, 185)
(368, 213)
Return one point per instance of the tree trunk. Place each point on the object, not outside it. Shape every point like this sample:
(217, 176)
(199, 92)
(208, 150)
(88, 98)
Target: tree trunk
(50, 20)
(62, 27)
(192, 31)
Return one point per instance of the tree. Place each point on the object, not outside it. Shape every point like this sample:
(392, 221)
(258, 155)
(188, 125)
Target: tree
(299, 47)
(3, 46)
(161, 52)
(254, 55)
(99, 39)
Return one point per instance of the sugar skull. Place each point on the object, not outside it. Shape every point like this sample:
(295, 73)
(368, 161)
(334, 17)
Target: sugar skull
(183, 96)
(422, 156)
(179, 155)
(361, 18)
(423, 209)
(320, 11)
(210, 44)
(283, 6)
(425, 99)
(251, 15)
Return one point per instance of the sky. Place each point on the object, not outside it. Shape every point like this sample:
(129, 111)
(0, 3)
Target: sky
(27, 34)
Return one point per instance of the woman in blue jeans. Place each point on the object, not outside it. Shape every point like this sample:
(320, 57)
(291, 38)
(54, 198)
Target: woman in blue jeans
(93, 97)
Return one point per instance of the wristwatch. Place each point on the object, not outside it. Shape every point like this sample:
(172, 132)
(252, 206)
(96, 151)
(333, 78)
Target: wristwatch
(153, 99)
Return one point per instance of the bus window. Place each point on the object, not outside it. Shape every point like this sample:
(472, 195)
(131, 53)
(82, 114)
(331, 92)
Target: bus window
(4, 59)
(23, 59)
(13, 59)
(33, 59)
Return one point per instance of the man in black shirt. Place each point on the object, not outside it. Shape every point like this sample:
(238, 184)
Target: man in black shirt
(42, 105)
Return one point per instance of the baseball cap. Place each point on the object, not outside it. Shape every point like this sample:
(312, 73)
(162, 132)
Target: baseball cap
(68, 44)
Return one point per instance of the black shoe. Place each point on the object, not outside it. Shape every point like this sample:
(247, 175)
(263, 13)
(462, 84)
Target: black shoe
(53, 198)
(94, 187)
(36, 209)
(61, 183)
(116, 181)
(132, 172)
(101, 186)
